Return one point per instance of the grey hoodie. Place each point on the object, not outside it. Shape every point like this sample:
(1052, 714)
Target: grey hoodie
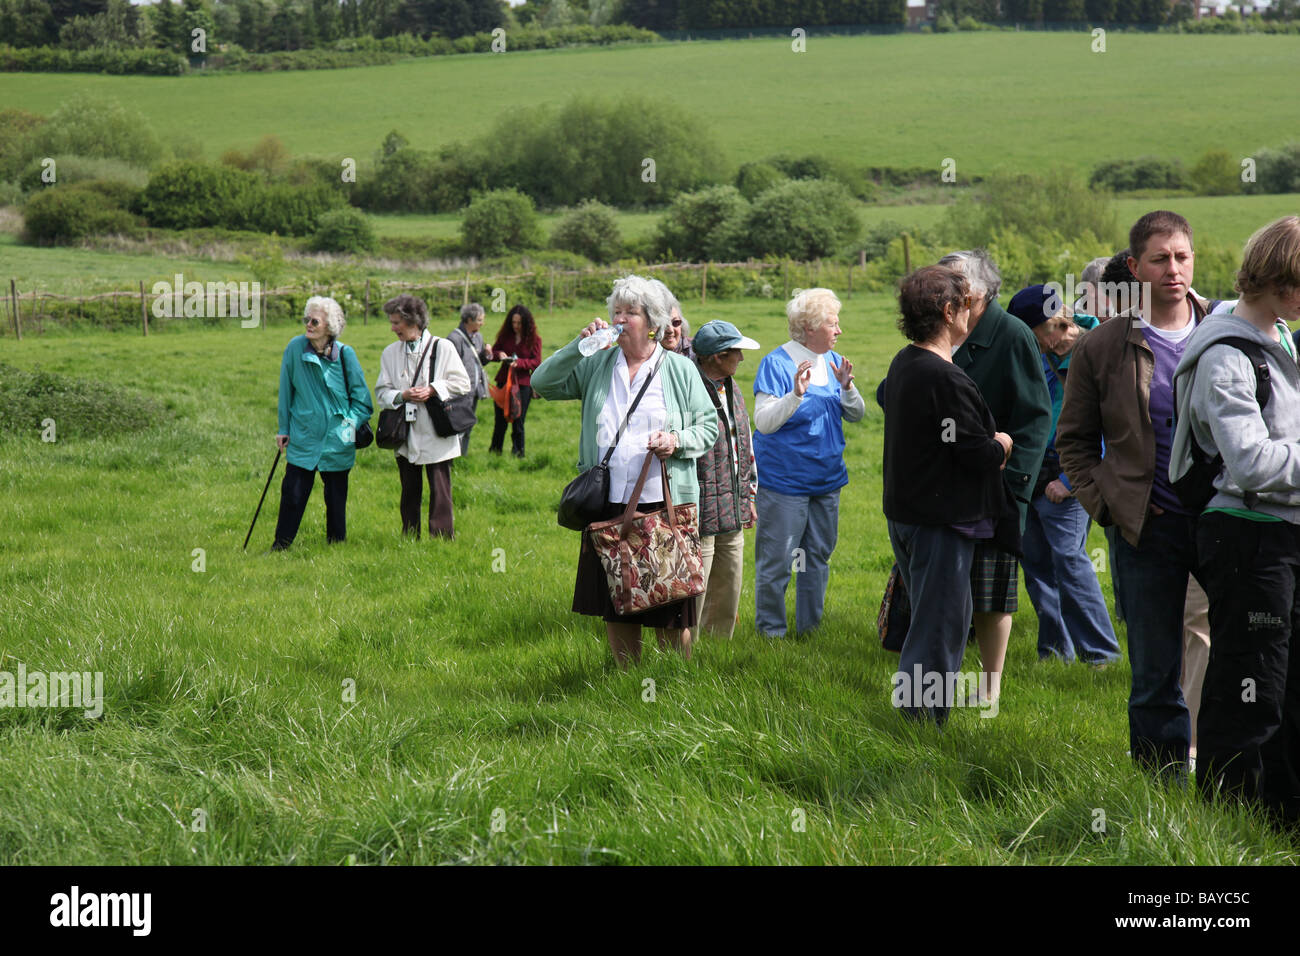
(1215, 385)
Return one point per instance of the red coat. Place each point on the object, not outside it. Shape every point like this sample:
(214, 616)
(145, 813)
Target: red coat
(530, 356)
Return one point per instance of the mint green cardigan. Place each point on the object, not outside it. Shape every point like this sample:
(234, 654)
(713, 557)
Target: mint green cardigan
(568, 374)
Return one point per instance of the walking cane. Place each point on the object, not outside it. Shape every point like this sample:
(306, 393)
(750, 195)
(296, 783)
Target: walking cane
(274, 465)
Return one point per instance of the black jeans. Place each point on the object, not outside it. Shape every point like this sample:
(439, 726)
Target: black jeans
(295, 489)
(1248, 732)
(516, 427)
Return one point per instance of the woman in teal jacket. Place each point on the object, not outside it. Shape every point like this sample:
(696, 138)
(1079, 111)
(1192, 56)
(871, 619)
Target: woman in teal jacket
(675, 419)
(323, 401)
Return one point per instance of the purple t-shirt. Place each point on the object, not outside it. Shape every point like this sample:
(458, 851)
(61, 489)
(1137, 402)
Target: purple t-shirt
(1167, 347)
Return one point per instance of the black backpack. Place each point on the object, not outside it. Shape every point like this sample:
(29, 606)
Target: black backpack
(1196, 487)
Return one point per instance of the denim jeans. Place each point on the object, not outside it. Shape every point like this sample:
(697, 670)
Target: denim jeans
(1154, 581)
(1249, 733)
(1072, 615)
(935, 562)
(794, 532)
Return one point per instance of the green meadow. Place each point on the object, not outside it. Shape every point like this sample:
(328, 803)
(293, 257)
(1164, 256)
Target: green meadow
(394, 701)
(986, 100)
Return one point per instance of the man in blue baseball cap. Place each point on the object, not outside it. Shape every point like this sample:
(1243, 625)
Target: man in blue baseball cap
(728, 477)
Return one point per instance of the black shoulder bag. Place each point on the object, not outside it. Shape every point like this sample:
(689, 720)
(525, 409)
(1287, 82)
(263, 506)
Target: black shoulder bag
(585, 497)
(456, 414)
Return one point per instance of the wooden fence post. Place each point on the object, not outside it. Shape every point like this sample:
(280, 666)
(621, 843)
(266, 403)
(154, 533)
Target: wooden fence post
(18, 322)
(465, 300)
(144, 311)
(704, 285)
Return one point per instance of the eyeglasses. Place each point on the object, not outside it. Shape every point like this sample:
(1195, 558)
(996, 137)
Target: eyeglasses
(313, 320)
(677, 323)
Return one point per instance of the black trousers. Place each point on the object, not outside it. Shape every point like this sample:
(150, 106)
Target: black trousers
(440, 517)
(1248, 732)
(295, 490)
(516, 427)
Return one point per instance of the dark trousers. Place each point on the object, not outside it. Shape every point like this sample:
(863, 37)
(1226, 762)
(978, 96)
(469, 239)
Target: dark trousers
(440, 518)
(1248, 731)
(295, 489)
(516, 427)
(1153, 579)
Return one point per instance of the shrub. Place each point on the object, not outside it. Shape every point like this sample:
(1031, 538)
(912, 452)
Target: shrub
(17, 140)
(590, 230)
(90, 126)
(630, 151)
(499, 222)
(285, 209)
(64, 214)
(82, 408)
(188, 195)
(344, 230)
(754, 179)
(1277, 170)
(11, 194)
(1029, 204)
(1148, 172)
(1216, 174)
(703, 225)
(78, 169)
(944, 24)
(802, 220)
(185, 195)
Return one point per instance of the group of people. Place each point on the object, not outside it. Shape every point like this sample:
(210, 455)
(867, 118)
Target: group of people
(1007, 431)
(1173, 420)
(324, 400)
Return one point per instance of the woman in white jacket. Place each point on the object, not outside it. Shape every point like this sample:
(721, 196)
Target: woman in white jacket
(410, 370)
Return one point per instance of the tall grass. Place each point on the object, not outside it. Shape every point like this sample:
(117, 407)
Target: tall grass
(489, 724)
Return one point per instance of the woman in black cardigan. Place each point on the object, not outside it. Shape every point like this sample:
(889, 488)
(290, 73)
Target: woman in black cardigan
(943, 460)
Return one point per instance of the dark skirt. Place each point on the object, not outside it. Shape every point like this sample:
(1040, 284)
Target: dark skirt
(993, 579)
(591, 590)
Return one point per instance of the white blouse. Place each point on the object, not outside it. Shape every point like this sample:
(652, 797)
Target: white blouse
(397, 372)
(651, 415)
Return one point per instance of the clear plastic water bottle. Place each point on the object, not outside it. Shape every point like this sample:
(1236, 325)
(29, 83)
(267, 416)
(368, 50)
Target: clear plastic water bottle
(600, 339)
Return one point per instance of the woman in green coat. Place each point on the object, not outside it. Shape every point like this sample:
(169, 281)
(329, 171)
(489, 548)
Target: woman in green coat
(675, 419)
(323, 401)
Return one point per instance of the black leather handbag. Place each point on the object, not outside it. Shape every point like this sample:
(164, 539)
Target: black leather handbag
(585, 497)
(393, 426)
(456, 414)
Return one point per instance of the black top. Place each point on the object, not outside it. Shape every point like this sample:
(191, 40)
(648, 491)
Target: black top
(942, 464)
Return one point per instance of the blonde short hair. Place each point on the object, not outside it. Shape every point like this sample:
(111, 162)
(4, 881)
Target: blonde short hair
(809, 310)
(333, 313)
(1271, 262)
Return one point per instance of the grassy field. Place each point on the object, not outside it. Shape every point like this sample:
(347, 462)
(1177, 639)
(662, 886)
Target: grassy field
(488, 724)
(986, 100)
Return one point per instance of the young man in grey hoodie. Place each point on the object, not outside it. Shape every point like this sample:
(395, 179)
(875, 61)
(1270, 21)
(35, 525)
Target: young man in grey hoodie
(1248, 534)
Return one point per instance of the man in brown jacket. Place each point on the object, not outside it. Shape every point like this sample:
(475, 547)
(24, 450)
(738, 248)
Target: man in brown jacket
(1120, 392)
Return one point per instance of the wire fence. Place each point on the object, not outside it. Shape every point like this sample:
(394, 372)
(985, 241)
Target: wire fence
(159, 305)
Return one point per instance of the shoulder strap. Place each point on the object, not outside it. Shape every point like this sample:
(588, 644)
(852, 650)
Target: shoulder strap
(631, 408)
(1258, 360)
